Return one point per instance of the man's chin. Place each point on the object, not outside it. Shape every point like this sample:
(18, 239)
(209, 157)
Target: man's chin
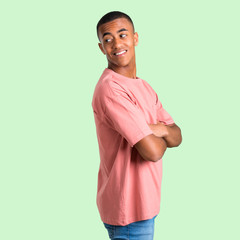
(118, 65)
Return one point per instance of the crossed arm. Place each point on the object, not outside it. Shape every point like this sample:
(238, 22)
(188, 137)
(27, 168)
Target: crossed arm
(153, 146)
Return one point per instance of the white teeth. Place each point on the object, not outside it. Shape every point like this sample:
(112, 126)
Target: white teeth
(121, 52)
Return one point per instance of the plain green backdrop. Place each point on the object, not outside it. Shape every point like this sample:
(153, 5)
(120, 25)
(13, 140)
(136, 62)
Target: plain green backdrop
(50, 63)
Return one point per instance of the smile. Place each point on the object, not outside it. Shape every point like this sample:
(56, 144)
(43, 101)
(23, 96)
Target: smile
(120, 53)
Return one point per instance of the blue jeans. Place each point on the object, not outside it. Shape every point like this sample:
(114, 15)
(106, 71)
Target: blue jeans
(141, 230)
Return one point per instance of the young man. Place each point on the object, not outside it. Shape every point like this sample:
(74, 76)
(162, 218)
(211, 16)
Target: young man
(133, 132)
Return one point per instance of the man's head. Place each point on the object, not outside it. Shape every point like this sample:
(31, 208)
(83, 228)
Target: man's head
(117, 39)
(112, 16)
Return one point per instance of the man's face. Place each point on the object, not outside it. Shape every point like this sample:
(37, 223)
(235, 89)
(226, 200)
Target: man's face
(118, 42)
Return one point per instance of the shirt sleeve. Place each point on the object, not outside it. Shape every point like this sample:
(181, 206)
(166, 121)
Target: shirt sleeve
(162, 114)
(126, 118)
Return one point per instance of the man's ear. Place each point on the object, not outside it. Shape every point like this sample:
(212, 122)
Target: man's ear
(135, 39)
(101, 47)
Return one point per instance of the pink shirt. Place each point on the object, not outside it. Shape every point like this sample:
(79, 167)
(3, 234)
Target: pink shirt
(129, 187)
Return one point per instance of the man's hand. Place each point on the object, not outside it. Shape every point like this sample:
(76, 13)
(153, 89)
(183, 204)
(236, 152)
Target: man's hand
(170, 133)
(159, 129)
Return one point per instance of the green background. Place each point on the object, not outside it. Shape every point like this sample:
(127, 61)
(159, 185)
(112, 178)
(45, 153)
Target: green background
(50, 63)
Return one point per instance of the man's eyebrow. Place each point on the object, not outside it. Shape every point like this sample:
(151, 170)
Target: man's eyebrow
(106, 33)
(121, 30)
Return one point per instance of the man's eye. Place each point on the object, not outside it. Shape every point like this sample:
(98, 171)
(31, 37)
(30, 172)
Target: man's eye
(123, 35)
(107, 40)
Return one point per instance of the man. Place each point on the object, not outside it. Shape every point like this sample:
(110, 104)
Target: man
(133, 132)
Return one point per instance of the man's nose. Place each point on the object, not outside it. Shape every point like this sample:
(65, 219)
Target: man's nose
(117, 43)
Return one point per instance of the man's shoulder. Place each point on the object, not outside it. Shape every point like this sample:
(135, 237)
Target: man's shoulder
(147, 84)
(108, 86)
(107, 91)
(104, 87)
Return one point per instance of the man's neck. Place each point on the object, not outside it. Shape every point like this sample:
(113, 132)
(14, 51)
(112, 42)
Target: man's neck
(129, 72)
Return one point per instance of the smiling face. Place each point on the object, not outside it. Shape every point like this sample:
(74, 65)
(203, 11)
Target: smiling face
(118, 42)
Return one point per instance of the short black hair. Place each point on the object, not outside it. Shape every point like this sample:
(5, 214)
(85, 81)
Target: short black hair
(112, 16)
